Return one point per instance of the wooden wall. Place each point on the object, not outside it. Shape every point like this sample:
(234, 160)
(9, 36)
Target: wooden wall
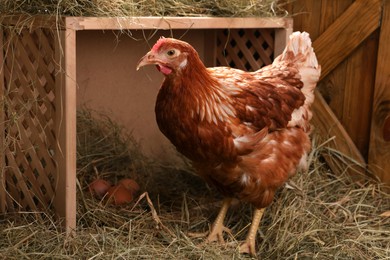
(351, 39)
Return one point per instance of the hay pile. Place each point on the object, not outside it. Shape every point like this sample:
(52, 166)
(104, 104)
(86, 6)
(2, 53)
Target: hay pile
(229, 8)
(318, 215)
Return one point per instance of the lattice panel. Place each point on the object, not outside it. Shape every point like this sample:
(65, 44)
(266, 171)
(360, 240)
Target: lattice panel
(29, 76)
(246, 49)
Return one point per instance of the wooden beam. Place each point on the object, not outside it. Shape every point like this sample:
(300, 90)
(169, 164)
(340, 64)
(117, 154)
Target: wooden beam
(331, 48)
(346, 33)
(379, 150)
(327, 126)
(168, 23)
(65, 154)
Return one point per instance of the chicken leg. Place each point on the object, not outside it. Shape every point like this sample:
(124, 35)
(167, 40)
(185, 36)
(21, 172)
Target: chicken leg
(249, 245)
(217, 229)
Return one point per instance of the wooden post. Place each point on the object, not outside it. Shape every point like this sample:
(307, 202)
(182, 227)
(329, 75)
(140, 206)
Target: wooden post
(2, 119)
(65, 192)
(281, 37)
(379, 150)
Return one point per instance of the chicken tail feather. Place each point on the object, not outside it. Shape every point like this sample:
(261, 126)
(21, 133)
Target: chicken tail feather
(299, 51)
(299, 45)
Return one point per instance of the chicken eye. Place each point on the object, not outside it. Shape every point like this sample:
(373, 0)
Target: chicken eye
(171, 52)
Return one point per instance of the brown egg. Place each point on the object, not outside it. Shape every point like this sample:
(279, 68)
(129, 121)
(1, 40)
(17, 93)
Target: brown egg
(130, 184)
(98, 188)
(119, 195)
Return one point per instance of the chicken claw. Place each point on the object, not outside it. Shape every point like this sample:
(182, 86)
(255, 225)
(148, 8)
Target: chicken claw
(248, 246)
(216, 233)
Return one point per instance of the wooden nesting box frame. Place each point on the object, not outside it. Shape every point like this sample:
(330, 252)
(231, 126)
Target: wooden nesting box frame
(61, 153)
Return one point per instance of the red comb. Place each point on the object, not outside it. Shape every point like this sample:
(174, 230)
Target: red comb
(158, 44)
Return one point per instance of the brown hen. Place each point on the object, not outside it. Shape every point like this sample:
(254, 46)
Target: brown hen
(245, 132)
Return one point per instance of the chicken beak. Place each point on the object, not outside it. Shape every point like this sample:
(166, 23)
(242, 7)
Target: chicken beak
(148, 59)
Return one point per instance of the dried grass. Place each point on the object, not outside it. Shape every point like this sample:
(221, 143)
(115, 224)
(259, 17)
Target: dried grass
(317, 215)
(230, 8)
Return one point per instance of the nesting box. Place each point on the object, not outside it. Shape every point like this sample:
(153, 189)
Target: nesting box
(49, 66)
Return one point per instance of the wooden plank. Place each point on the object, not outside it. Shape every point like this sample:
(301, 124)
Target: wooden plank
(328, 126)
(359, 91)
(333, 85)
(379, 151)
(306, 16)
(2, 130)
(331, 10)
(348, 88)
(346, 33)
(65, 154)
(127, 23)
(167, 23)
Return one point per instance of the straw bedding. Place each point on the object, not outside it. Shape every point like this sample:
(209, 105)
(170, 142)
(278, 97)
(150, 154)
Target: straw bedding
(316, 215)
(228, 8)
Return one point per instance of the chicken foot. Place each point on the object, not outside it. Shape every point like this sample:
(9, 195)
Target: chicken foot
(216, 233)
(249, 245)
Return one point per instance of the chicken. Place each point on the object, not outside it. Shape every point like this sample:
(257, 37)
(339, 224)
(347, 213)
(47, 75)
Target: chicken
(245, 132)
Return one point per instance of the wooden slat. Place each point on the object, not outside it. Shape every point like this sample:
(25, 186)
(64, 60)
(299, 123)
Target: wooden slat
(26, 42)
(2, 130)
(29, 139)
(167, 23)
(379, 151)
(24, 143)
(344, 35)
(263, 55)
(65, 153)
(233, 55)
(266, 34)
(15, 159)
(232, 51)
(36, 155)
(333, 85)
(28, 178)
(31, 86)
(248, 57)
(306, 14)
(331, 10)
(328, 126)
(129, 23)
(223, 60)
(30, 47)
(248, 60)
(358, 92)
